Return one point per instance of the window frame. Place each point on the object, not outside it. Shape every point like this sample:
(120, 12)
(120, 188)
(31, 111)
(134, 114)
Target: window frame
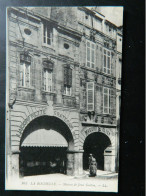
(67, 86)
(46, 32)
(91, 50)
(108, 107)
(93, 94)
(105, 65)
(46, 83)
(23, 72)
(66, 91)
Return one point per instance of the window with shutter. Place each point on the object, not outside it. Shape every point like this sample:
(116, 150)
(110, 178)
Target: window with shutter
(67, 80)
(90, 54)
(90, 96)
(24, 70)
(106, 101)
(107, 62)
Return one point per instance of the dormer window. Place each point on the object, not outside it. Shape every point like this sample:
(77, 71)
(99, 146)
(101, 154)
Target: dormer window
(47, 33)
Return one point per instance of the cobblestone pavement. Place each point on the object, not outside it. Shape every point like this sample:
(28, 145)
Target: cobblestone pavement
(104, 181)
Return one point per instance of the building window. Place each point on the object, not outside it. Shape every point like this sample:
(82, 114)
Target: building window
(47, 75)
(90, 96)
(24, 74)
(67, 90)
(67, 80)
(107, 62)
(106, 100)
(47, 33)
(90, 54)
(47, 80)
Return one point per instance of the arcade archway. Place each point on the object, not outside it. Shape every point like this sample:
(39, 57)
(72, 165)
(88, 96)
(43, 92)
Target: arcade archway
(95, 144)
(43, 147)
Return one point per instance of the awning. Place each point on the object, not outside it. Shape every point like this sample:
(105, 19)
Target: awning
(44, 138)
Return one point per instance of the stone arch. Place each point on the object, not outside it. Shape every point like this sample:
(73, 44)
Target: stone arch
(96, 144)
(87, 131)
(48, 122)
(33, 151)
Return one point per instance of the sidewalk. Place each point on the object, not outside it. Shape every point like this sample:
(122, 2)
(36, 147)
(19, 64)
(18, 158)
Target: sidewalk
(103, 174)
(100, 174)
(104, 181)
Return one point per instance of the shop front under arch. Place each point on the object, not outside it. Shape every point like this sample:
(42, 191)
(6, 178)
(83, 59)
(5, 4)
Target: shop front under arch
(44, 145)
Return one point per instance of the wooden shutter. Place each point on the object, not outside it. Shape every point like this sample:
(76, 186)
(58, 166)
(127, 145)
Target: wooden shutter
(90, 96)
(70, 77)
(112, 102)
(67, 76)
(32, 74)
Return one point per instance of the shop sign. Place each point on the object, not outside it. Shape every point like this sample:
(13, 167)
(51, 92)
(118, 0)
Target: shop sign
(62, 117)
(40, 113)
(98, 129)
(31, 117)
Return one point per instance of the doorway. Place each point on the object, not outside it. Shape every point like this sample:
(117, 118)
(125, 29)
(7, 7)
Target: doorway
(95, 144)
(42, 160)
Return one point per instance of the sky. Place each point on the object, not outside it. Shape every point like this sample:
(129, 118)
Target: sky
(113, 14)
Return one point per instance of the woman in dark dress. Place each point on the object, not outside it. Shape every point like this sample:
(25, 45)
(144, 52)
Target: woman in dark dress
(92, 166)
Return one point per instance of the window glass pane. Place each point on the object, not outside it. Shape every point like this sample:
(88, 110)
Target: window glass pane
(108, 53)
(90, 96)
(90, 107)
(93, 56)
(27, 78)
(104, 61)
(105, 90)
(48, 41)
(105, 100)
(88, 64)
(92, 65)
(68, 91)
(88, 54)
(92, 46)
(108, 62)
(105, 110)
(90, 85)
(104, 51)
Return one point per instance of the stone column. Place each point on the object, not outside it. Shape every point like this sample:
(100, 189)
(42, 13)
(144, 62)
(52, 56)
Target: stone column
(15, 165)
(75, 162)
(78, 163)
(109, 160)
(70, 163)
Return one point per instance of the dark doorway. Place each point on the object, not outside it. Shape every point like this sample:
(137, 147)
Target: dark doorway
(95, 144)
(42, 160)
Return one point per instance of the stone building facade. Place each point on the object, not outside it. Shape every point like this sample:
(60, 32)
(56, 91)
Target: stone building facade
(61, 90)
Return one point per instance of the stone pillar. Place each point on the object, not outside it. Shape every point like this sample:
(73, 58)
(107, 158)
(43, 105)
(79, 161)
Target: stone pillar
(78, 162)
(15, 165)
(109, 160)
(75, 162)
(70, 163)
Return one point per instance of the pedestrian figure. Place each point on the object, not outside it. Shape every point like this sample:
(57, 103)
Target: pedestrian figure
(92, 165)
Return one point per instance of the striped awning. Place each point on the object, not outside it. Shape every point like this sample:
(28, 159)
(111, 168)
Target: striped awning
(44, 138)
